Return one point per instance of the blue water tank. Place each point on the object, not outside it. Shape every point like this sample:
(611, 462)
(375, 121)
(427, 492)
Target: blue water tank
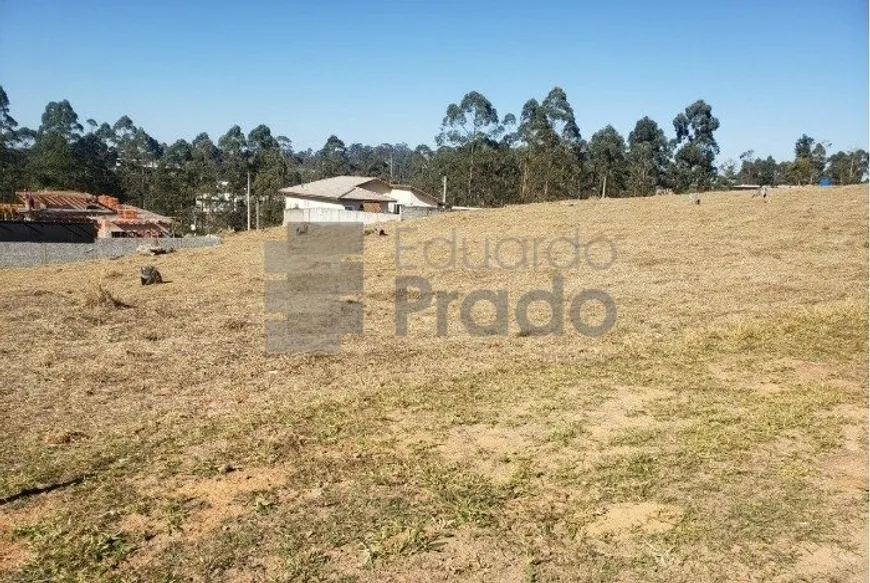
(825, 181)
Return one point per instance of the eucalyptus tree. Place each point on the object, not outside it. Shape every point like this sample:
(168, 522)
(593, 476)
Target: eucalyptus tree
(470, 126)
(271, 173)
(648, 155)
(11, 160)
(204, 164)
(693, 162)
(174, 193)
(332, 158)
(234, 161)
(425, 169)
(391, 162)
(819, 158)
(138, 154)
(95, 165)
(401, 156)
(364, 160)
(562, 174)
(52, 162)
(552, 148)
(539, 139)
(7, 122)
(805, 167)
(727, 175)
(803, 147)
(607, 156)
(748, 168)
(848, 167)
(768, 171)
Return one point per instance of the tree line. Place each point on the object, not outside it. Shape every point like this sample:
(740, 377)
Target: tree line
(488, 159)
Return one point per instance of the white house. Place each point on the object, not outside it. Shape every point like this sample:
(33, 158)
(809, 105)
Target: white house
(351, 198)
(350, 193)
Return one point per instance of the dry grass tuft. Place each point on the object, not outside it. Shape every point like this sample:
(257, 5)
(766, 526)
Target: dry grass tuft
(98, 296)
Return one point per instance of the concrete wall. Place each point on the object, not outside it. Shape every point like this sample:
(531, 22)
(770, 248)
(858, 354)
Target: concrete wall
(293, 202)
(417, 212)
(30, 254)
(325, 215)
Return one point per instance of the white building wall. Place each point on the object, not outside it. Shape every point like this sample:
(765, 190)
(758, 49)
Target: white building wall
(334, 215)
(406, 198)
(292, 202)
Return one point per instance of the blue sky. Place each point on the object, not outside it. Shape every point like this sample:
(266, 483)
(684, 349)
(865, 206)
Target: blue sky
(385, 71)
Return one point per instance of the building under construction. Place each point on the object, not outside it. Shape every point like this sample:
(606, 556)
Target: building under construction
(67, 216)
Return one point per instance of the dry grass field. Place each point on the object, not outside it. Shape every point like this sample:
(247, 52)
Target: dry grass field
(717, 433)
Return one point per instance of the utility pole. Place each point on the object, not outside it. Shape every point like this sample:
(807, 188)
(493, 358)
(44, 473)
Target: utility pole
(258, 213)
(249, 200)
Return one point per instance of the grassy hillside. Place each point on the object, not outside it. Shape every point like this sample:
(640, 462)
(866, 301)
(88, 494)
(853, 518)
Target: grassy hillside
(717, 432)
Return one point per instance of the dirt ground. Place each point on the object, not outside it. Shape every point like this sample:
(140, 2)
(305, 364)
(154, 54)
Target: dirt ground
(717, 433)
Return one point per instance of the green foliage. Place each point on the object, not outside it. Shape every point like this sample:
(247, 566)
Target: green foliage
(693, 167)
(810, 161)
(60, 119)
(727, 175)
(487, 160)
(759, 171)
(234, 160)
(803, 147)
(10, 161)
(607, 155)
(95, 163)
(848, 167)
(472, 126)
(51, 163)
(333, 158)
(551, 149)
(7, 123)
(648, 154)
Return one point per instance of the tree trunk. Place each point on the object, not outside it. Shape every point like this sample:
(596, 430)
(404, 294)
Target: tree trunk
(604, 186)
(525, 184)
(547, 178)
(470, 172)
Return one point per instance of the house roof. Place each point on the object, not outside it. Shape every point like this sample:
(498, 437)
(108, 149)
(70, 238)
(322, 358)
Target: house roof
(62, 200)
(339, 188)
(366, 195)
(138, 217)
(55, 203)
